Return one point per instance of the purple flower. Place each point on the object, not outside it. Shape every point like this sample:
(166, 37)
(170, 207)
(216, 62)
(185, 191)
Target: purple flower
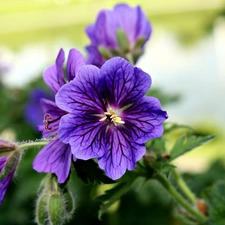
(104, 33)
(56, 156)
(8, 165)
(109, 117)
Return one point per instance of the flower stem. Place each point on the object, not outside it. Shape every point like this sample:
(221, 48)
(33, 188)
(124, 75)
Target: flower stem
(32, 144)
(183, 186)
(179, 198)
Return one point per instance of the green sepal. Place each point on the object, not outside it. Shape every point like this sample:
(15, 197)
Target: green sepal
(106, 54)
(69, 203)
(122, 41)
(10, 164)
(41, 210)
(139, 42)
(56, 209)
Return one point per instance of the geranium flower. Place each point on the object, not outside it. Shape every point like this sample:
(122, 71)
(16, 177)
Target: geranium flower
(8, 165)
(104, 33)
(56, 156)
(109, 117)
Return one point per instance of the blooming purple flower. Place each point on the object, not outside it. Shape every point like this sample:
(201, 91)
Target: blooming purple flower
(109, 117)
(104, 33)
(56, 156)
(8, 165)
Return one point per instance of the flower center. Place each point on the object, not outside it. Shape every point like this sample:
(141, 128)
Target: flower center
(112, 117)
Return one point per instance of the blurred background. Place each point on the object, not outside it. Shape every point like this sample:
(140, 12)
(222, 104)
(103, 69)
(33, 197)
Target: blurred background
(185, 57)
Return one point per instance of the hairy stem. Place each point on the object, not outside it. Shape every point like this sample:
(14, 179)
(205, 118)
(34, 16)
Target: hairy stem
(32, 144)
(179, 198)
(183, 186)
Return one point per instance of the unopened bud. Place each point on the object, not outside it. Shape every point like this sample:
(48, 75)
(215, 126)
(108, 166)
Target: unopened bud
(10, 164)
(69, 203)
(55, 205)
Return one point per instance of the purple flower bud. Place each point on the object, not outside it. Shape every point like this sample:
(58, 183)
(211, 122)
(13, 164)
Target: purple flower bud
(8, 165)
(120, 32)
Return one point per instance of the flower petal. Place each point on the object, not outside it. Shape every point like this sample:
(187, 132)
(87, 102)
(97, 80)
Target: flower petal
(2, 162)
(55, 157)
(81, 94)
(144, 119)
(124, 83)
(84, 133)
(121, 154)
(4, 183)
(74, 62)
(53, 75)
(94, 57)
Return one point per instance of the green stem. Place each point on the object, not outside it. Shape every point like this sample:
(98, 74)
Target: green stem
(179, 198)
(183, 186)
(32, 144)
(130, 58)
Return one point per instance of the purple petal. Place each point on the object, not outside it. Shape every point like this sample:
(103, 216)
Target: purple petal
(74, 62)
(55, 157)
(94, 57)
(124, 83)
(53, 75)
(4, 183)
(2, 162)
(81, 94)
(121, 154)
(144, 119)
(84, 133)
(145, 28)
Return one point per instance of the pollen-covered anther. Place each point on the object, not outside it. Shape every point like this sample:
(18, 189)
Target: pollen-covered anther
(111, 115)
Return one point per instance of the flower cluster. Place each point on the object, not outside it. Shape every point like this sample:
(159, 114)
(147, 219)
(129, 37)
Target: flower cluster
(120, 32)
(101, 112)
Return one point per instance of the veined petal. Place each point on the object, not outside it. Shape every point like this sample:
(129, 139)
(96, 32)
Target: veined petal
(84, 133)
(144, 119)
(55, 157)
(74, 62)
(124, 83)
(122, 153)
(81, 95)
(53, 75)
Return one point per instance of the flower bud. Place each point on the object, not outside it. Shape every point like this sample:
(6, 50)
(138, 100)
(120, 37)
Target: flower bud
(6, 148)
(55, 205)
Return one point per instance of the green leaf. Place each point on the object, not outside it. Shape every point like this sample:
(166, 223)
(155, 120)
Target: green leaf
(111, 196)
(89, 172)
(186, 143)
(216, 204)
